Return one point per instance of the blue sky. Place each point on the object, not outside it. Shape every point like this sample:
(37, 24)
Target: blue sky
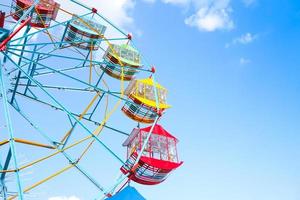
(235, 93)
(232, 69)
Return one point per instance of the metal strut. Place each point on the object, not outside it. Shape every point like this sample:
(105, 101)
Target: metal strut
(11, 134)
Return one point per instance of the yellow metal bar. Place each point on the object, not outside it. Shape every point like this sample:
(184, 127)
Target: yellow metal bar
(81, 116)
(100, 127)
(105, 114)
(21, 9)
(110, 46)
(48, 33)
(101, 35)
(23, 141)
(57, 152)
(49, 156)
(33, 143)
(44, 180)
(4, 142)
(88, 147)
(97, 131)
(91, 64)
(106, 117)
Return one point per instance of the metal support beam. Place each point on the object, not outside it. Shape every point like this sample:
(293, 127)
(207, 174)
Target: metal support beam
(74, 114)
(31, 68)
(19, 63)
(11, 134)
(68, 112)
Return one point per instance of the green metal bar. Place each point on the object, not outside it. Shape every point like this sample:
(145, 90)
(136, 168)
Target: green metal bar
(11, 133)
(39, 58)
(48, 138)
(66, 42)
(71, 160)
(60, 88)
(74, 114)
(19, 63)
(85, 83)
(66, 75)
(44, 29)
(53, 72)
(96, 106)
(79, 59)
(145, 142)
(104, 18)
(5, 167)
(64, 34)
(52, 55)
(30, 91)
(30, 10)
(31, 70)
(6, 164)
(99, 79)
(68, 112)
(118, 182)
(123, 177)
(51, 141)
(1, 4)
(4, 190)
(87, 58)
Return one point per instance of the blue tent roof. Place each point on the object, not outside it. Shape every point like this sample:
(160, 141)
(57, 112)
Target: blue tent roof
(129, 193)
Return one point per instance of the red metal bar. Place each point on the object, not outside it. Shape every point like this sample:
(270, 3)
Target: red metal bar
(3, 44)
(140, 140)
(168, 148)
(176, 151)
(2, 18)
(150, 146)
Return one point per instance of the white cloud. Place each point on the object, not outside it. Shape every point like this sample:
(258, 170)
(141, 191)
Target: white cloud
(149, 1)
(244, 61)
(117, 11)
(244, 39)
(209, 15)
(182, 2)
(248, 2)
(64, 198)
(211, 19)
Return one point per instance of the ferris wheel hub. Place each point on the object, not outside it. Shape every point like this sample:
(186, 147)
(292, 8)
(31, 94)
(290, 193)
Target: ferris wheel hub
(129, 36)
(94, 10)
(153, 69)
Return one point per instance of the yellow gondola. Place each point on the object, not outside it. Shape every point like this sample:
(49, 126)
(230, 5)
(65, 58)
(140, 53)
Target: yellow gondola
(143, 105)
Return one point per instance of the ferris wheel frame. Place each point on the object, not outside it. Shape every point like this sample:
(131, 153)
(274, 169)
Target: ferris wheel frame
(11, 48)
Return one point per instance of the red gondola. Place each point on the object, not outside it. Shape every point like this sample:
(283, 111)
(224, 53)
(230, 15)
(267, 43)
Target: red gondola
(158, 159)
(45, 11)
(2, 19)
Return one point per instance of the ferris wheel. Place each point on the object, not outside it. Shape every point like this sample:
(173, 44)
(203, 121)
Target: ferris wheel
(73, 102)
